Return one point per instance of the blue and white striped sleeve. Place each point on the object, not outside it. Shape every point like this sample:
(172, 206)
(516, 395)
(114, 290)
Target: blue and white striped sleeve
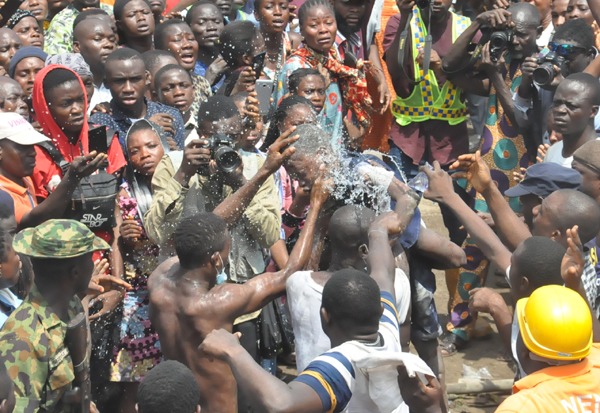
(389, 318)
(331, 376)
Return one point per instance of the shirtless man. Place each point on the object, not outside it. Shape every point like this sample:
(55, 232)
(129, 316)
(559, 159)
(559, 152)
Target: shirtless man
(186, 304)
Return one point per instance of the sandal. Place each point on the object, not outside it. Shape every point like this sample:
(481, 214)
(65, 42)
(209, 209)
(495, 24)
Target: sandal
(450, 344)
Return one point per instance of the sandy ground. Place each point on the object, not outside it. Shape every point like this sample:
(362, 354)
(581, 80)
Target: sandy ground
(481, 353)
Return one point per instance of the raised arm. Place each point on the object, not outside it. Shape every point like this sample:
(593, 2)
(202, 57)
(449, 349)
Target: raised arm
(232, 208)
(511, 229)
(260, 290)
(441, 191)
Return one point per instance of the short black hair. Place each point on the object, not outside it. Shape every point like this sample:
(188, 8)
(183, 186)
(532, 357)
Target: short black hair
(297, 75)
(236, 40)
(168, 387)
(190, 14)
(168, 68)
(151, 58)
(58, 77)
(576, 208)
(83, 15)
(279, 116)
(577, 31)
(199, 236)
(122, 54)
(352, 299)
(309, 4)
(120, 5)
(539, 260)
(161, 30)
(588, 83)
(349, 227)
(217, 108)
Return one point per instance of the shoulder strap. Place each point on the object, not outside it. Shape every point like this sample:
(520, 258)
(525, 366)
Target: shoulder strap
(55, 154)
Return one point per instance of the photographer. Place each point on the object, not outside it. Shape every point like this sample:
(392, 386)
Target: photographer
(496, 72)
(570, 51)
(197, 180)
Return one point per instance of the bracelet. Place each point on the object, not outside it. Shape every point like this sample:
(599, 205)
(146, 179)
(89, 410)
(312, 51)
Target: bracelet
(379, 231)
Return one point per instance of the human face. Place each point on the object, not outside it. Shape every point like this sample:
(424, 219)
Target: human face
(16, 161)
(298, 115)
(95, 40)
(145, 151)
(529, 202)
(13, 98)
(319, 29)
(559, 12)
(313, 88)
(572, 110)
(523, 43)
(207, 25)
(9, 44)
(439, 9)
(88, 83)
(249, 138)
(10, 267)
(577, 60)
(126, 80)
(544, 216)
(590, 180)
(67, 106)
(25, 72)
(157, 7)
(28, 29)
(85, 4)
(181, 42)
(579, 9)
(39, 8)
(85, 269)
(231, 127)
(137, 20)
(273, 15)
(176, 90)
(225, 6)
(349, 14)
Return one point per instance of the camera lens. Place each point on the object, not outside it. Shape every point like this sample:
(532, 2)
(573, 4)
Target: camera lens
(227, 159)
(544, 74)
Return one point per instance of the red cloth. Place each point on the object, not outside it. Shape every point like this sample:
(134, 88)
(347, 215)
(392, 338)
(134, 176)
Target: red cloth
(45, 169)
(352, 81)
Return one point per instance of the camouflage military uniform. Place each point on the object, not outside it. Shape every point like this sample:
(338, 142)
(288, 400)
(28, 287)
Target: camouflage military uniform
(32, 345)
(32, 341)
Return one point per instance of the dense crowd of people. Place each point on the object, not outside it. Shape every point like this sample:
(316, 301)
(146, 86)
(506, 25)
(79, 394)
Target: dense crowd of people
(195, 192)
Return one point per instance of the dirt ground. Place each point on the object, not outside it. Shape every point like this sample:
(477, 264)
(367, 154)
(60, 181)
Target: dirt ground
(481, 353)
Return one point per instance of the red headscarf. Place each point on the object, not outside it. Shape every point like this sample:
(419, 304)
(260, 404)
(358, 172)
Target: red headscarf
(49, 126)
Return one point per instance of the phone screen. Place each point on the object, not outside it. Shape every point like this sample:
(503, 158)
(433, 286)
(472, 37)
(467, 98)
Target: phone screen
(258, 63)
(98, 140)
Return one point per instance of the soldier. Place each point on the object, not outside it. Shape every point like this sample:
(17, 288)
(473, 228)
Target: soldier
(32, 342)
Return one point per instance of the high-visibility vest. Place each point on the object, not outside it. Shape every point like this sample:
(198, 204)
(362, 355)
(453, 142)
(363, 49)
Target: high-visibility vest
(426, 100)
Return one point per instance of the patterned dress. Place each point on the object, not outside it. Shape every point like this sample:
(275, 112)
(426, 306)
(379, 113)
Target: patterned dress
(503, 150)
(138, 349)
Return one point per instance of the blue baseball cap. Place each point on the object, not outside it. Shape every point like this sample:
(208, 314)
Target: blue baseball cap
(544, 178)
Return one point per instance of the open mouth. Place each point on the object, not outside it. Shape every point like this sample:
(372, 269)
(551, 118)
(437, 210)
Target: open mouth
(187, 57)
(324, 41)
(142, 28)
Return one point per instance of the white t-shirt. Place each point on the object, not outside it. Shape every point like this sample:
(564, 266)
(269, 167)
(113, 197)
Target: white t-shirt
(304, 299)
(101, 95)
(554, 154)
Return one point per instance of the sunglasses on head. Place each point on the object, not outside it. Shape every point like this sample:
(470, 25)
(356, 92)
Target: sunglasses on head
(565, 49)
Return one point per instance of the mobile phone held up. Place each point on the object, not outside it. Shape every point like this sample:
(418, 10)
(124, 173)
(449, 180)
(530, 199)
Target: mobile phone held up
(258, 64)
(264, 91)
(98, 140)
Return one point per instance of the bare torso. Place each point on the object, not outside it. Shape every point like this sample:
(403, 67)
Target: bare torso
(183, 314)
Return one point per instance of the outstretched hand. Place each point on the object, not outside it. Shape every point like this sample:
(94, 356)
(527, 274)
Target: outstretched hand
(475, 170)
(440, 184)
(83, 166)
(280, 150)
(219, 343)
(573, 262)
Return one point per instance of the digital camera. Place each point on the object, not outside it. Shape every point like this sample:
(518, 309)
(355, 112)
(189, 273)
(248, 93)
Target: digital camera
(545, 72)
(499, 42)
(221, 150)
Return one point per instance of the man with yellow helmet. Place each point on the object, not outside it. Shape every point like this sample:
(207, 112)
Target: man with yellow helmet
(555, 349)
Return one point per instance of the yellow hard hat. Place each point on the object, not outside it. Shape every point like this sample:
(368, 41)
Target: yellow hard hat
(555, 322)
